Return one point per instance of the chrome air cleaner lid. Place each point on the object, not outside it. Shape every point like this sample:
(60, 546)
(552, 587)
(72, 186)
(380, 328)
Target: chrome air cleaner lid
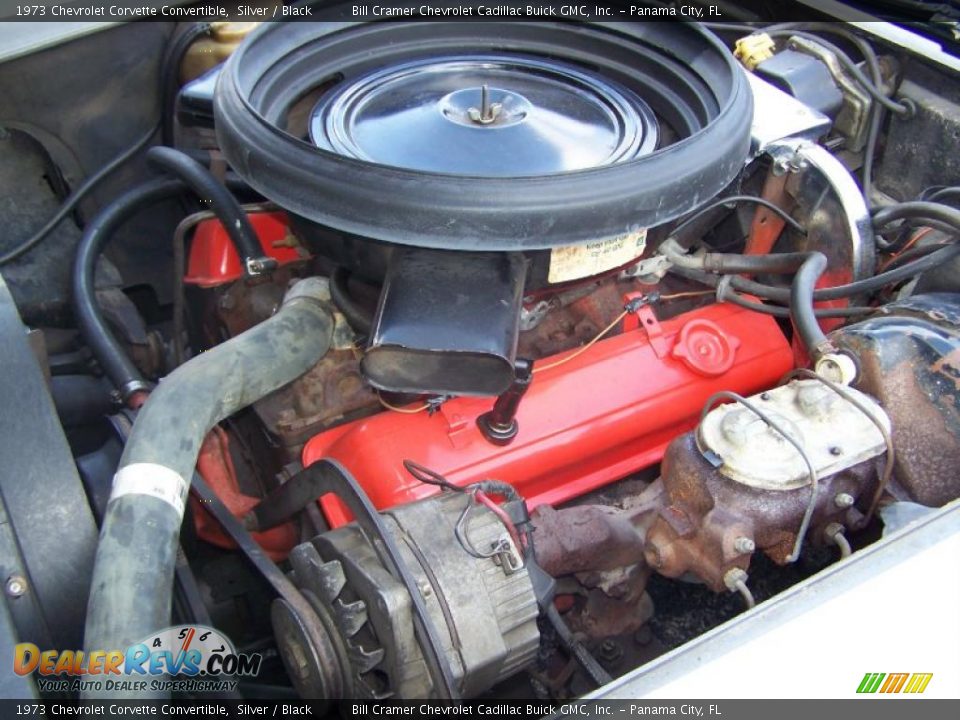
(485, 116)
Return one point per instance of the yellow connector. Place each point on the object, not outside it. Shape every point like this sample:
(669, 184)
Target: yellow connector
(754, 49)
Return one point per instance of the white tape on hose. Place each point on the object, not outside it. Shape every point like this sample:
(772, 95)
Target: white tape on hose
(153, 480)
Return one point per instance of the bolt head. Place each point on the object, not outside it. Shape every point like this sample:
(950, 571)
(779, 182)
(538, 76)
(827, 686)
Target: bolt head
(844, 500)
(643, 636)
(781, 166)
(16, 585)
(832, 529)
(744, 545)
(836, 451)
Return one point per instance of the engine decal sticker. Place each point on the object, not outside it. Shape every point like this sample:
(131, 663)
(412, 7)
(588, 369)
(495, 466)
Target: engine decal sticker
(580, 261)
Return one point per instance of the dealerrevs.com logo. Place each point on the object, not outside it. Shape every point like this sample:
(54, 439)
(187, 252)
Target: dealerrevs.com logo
(887, 683)
(183, 658)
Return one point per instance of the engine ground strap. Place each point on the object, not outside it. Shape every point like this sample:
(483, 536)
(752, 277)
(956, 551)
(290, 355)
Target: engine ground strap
(328, 476)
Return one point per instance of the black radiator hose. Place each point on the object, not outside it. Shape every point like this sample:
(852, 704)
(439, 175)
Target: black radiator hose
(133, 572)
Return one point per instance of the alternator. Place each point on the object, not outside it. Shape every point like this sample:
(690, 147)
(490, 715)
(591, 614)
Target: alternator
(471, 576)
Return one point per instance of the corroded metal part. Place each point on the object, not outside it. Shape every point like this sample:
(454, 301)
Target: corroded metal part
(705, 515)
(585, 537)
(616, 603)
(910, 361)
(331, 392)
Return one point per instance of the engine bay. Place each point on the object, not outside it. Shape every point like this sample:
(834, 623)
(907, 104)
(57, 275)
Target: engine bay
(460, 360)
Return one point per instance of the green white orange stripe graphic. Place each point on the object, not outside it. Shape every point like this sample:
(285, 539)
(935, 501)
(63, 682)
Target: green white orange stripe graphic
(913, 683)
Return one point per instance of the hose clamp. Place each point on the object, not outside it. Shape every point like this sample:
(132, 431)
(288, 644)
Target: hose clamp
(260, 265)
(133, 387)
(723, 287)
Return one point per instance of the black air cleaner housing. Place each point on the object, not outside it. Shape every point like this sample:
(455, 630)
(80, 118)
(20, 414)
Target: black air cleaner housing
(447, 322)
(489, 137)
(273, 82)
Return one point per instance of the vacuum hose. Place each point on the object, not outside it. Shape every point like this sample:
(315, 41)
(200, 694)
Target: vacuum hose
(133, 572)
(806, 266)
(116, 364)
(358, 318)
(234, 220)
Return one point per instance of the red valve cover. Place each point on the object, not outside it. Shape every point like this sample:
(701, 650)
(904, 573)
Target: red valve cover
(599, 417)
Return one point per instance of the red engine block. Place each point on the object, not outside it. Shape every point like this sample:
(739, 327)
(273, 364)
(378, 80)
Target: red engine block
(599, 417)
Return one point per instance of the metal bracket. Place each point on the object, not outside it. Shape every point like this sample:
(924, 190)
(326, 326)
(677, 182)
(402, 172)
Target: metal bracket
(651, 270)
(459, 426)
(643, 317)
(529, 319)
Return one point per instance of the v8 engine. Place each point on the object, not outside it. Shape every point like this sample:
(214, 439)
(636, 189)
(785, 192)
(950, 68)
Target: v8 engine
(449, 360)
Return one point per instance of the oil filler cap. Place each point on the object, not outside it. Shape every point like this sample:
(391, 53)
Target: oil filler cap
(705, 348)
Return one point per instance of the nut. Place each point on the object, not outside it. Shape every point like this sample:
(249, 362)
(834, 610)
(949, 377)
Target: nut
(844, 500)
(610, 651)
(734, 576)
(837, 367)
(833, 529)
